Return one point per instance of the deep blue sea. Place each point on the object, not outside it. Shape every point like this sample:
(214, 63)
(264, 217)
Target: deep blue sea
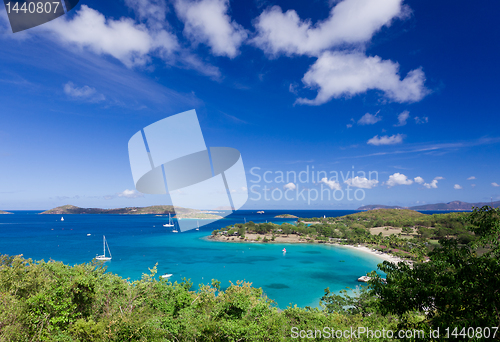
(138, 242)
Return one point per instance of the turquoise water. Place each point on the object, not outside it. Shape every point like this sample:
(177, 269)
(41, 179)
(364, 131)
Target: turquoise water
(138, 242)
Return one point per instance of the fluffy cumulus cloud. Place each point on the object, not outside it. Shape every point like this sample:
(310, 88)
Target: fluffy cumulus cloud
(457, 187)
(289, 186)
(418, 180)
(124, 39)
(495, 184)
(83, 93)
(350, 22)
(361, 182)
(129, 194)
(433, 184)
(398, 179)
(133, 42)
(207, 22)
(386, 140)
(402, 118)
(334, 185)
(369, 119)
(339, 74)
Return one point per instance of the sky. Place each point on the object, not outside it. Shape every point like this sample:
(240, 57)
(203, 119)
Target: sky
(369, 101)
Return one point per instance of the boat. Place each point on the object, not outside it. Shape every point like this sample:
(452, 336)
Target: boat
(284, 250)
(260, 212)
(88, 234)
(169, 224)
(167, 275)
(198, 225)
(104, 245)
(364, 279)
(62, 218)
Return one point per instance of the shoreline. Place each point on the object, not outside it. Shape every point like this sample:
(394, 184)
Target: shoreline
(361, 248)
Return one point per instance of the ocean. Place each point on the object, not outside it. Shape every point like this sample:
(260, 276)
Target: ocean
(138, 242)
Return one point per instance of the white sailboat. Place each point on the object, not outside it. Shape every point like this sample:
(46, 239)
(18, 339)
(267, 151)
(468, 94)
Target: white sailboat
(175, 230)
(167, 275)
(198, 225)
(104, 245)
(62, 218)
(169, 224)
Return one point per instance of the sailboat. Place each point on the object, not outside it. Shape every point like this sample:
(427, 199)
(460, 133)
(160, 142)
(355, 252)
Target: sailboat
(174, 230)
(198, 225)
(169, 224)
(104, 245)
(62, 218)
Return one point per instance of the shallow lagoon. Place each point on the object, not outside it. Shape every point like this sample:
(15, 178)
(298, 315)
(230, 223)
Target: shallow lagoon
(139, 242)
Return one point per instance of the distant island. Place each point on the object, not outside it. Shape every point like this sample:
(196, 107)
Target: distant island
(286, 216)
(198, 216)
(454, 205)
(155, 210)
(4, 212)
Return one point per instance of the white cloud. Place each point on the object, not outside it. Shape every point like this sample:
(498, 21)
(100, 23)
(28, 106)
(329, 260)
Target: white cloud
(361, 182)
(348, 125)
(207, 21)
(433, 184)
(473, 185)
(418, 180)
(350, 22)
(471, 178)
(386, 140)
(402, 118)
(421, 120)
(289, 186)
(334, 185)
(83, 93)
(346, 74)
(130, 42)
(125, 40)
(129, 194)
(369, 119)
(151, 11)
(398, 179)
(457, 187)
(494, 184)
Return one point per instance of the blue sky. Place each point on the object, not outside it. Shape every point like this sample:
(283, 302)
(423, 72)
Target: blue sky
(407, 90)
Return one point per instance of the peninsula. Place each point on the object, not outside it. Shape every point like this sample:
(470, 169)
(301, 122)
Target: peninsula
(399, 233)
(4, 212)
